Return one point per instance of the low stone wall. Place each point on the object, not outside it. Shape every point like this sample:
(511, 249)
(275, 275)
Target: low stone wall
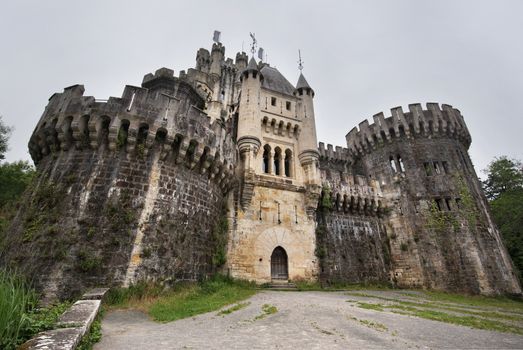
(72, 325)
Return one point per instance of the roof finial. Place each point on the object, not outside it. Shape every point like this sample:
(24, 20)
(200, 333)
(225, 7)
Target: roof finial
(254, 43)
(300, 62)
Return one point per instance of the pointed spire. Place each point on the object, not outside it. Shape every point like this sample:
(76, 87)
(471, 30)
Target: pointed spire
(302, 83)
(252, 64)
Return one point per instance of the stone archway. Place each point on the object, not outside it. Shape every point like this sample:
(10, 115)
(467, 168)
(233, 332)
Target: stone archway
(279, 264)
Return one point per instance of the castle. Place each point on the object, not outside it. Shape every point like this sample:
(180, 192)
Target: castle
(219, 169)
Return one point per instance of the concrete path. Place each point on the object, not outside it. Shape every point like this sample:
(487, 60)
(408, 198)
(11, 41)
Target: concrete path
(305, 320)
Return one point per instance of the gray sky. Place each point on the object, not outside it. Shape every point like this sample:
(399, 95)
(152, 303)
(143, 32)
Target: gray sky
(361, 57)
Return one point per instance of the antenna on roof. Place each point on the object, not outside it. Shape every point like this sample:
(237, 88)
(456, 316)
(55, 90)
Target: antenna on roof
(300, 62)
(254, 43)
(216, 36)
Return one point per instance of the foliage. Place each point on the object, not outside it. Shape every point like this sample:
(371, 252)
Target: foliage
(14, 179)
(503, 175)
(504, 188)
(219, 235)
(5, 132)
(88, 262)
(326, 200)
(441, 221)
(507, 211)
(321, 234)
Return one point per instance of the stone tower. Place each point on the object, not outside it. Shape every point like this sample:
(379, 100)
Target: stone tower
(273, 235)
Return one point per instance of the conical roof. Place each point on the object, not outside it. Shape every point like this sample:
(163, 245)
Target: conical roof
(252, 65)
(302, 83)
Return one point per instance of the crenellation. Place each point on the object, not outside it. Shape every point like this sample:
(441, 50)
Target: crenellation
(150, 174)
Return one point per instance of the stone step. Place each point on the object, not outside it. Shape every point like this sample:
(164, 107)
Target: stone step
(282, 286)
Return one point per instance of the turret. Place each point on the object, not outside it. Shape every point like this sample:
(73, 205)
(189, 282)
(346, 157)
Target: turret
(203, 60)
(308, 153)
(249, 131)
(241, 61)
(217, 58)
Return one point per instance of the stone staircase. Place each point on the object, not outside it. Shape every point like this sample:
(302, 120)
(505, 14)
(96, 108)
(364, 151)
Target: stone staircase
(282, 285)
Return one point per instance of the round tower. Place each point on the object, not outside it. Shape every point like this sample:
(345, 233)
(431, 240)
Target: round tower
(127, 189)
(440, 230)
(307, 141)
(249, 131)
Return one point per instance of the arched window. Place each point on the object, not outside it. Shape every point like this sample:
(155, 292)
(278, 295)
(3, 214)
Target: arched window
(277, 161)
(288, 162)
(266, 159)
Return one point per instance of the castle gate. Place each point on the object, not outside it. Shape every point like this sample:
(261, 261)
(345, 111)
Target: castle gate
(279, 264)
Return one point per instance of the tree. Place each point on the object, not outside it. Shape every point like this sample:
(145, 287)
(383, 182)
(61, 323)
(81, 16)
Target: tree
(5, 132)
(503, 174)
(504, 188)
(14, 178)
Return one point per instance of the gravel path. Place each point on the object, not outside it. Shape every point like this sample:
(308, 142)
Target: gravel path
(305, 320)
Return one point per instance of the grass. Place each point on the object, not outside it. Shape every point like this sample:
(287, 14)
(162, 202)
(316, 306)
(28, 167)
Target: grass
(20, 319)
(185, 300)
(16, 300)
(430, 307)
(377, 307)
(233, 308)
(266, 311)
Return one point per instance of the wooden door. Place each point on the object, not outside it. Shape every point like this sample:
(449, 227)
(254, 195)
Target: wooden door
(279, 264)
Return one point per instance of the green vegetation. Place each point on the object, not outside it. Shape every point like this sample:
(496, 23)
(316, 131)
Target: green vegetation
(472, 311)
(184, 300)
(20, 319)
(504, 189)
(16, 300)
(326, 200)
(368, 306)
(219, 235)
(94, 334)
(233, 308)
(266, 311)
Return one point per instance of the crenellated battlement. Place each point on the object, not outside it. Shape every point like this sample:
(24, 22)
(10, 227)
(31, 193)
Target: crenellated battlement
(417, 122)
(356, 196)
(337, 153)
(167, 118)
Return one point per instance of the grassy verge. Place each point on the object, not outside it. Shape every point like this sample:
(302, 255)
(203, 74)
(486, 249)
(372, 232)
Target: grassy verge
(182, 301)
(435, 306)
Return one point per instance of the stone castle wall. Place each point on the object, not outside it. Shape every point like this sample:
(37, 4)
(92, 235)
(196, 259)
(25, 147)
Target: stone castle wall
(440, 230)
(121, 197)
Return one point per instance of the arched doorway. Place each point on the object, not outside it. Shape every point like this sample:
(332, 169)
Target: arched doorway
(279, 264)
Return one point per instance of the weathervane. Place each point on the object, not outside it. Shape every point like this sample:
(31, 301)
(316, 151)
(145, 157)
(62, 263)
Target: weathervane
(300, 62)
(254, 43)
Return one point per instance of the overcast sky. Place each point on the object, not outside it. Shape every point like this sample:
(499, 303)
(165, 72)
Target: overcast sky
(361, 57)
